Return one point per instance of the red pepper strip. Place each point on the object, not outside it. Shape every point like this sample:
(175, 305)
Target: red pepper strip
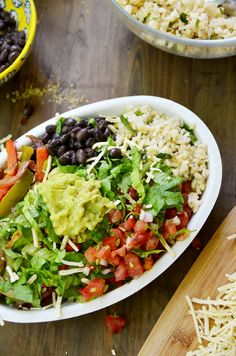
(41, 157)
(9, 181)
(12, 160)
(3, 192)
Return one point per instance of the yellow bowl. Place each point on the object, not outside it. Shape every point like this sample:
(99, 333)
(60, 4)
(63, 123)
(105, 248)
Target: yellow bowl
(25, 15)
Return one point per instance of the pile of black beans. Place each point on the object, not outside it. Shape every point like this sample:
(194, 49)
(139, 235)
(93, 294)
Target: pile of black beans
(74, 144)
(12, 41)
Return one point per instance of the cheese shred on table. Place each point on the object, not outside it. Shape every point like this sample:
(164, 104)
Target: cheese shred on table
(215, 321)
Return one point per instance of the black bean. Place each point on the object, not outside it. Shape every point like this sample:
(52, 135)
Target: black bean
(2, 24)
(55, 142)
(89, 152)
(45, 137)
(74, 159)
(56, 136)
(113, 137)
(51, 149)
(90, 142)
(61, 150)
(66, 158)
(82, 123)
(102, 125)
(65, 129)
(70, 122)
(82, 134)
(107, 132)
(98, 135)
(12, 57)
(115, 153)
(74, 131)
(65, 138)
(2, 68)
(72, 144)
(81, 156)
(50, 129)
(15, 48)
(4, 55)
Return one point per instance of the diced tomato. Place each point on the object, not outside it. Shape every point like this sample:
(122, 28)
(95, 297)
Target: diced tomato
(103, 253)
(114, 260)
(133, 193)
(140, 227)
(70, 249)
(189, 211)
(148, 263)
(120, 251)
(171, 213)
(90, 254)
(170, 227)
(115, 323)
(118, 233)
(183, 217)
(129, 224)
(115, 216)
(111, 241)
(137, 240)
(137, 209)
(152, 242)
(41, 157)
(12, 160)
(197, 244)
(186, 187)
(94, 289)
(133, 265)
(121, 272)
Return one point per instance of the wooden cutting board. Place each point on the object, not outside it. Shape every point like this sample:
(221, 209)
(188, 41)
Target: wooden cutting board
(174, 333)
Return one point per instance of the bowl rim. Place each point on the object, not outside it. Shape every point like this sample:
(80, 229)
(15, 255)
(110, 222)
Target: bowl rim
(111, 107)
(173, 38)
(26, 48)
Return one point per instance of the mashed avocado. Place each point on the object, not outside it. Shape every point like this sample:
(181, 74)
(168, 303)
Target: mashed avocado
(75, 205)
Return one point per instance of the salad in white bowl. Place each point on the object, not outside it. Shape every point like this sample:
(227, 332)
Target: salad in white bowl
(97, 202)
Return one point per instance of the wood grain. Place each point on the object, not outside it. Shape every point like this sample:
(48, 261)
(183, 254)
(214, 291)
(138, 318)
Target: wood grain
(174, 333)
(85, 44)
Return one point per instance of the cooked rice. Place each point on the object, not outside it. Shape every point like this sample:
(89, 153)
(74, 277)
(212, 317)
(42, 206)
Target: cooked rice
(161, 133)
(184, 18)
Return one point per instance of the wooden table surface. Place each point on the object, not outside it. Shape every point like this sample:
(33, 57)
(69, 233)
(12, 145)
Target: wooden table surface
(83, 44)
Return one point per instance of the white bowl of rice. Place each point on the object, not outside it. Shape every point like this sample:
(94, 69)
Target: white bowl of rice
(189, 28)
(201, 160)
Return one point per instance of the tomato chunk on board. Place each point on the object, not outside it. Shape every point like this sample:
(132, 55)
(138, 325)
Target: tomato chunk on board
(115, 323)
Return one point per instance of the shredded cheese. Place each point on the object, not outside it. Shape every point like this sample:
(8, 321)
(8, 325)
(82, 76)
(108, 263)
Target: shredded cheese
(72, 263)
(167, 247)
(84, 270)
(1, 321)
(35, 238)
(71, 243)
(13, 276)
(64, 242)
(5, 139)
(58, 306)
(215, 321)
(48, 168)
(96, 160)
(32, 279)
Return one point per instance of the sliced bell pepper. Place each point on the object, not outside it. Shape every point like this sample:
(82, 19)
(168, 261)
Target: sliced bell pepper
(16, 193)
(27, 152)
(12, 160)
(41, 157)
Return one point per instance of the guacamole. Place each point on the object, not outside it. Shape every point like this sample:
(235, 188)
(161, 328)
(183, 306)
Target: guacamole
(75, 205)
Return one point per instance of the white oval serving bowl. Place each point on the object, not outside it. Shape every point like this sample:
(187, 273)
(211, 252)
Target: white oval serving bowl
(117, 106)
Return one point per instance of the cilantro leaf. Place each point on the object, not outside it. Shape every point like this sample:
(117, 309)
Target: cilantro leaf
(126, 123)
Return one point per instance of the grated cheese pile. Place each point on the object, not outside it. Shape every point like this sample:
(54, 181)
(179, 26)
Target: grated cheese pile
(215, 321)
(156, 132)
